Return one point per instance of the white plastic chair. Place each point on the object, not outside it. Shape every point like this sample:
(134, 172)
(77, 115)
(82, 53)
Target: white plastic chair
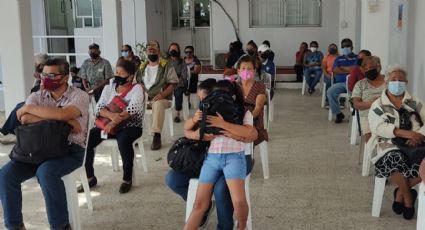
(264, 153)
(270, 104)
(168, 117)
(342, 95)
(420, 225)
(71, 190)
(367, 162)
(112, 143)
(305, 84)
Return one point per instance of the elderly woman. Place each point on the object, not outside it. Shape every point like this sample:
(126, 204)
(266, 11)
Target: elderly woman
(367, 90)
(255, 95)
(396, 124)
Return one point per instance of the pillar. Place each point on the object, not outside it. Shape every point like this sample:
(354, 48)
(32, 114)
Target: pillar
(112, 30)
(16, 51)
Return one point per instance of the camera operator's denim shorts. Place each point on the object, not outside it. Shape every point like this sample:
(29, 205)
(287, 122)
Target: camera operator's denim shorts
(232, 165)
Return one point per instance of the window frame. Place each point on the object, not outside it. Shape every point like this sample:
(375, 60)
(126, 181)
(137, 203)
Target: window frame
(285, 24)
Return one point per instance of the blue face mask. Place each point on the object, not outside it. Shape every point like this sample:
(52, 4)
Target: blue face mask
(397, 88)
(124, 54)
(346, 51)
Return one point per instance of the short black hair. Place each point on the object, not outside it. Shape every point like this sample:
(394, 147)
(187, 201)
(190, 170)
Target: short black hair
(347, 40)
(128, 66)
(189, 47)
(246, 58)
(74, 69)
(266, 42)
(366, 52)
(208, 85)
(252, 43)
(128, 47)
(314, 43)
(60, 62)
(237, 45)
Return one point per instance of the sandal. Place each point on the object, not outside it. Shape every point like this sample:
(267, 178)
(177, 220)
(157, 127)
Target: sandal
(398, 207)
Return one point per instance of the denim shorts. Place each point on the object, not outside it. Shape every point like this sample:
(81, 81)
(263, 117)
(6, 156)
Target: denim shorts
(232, 165)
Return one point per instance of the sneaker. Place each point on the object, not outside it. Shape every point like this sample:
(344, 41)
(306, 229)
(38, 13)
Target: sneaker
(207, 214)
(125, 187)
(92, 183)
(310, 91)
(156, 142)
(326, 105)
(339, 118)
(7, 139)
(177, 119)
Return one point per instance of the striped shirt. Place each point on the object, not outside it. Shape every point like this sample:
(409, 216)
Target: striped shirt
(72, 97)
(223, 145)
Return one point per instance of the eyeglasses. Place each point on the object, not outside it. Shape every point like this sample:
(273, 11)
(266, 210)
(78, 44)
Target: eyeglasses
(50, 75)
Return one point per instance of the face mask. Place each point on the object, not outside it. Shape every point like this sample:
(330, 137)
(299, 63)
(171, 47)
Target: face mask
(174, 53)
(313, 49)
(250, 52)
(51, 84)
(264, 55)
(153, 57)
(371, 74)
(346, 51)
(332, 51)
(120, 80)
(94, 55)
(246, 74)
(397, 88)
(125, 54)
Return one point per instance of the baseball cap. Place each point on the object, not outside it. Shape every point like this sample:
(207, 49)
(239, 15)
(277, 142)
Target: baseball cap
(263, 48)
(152, 45)
(93, 46)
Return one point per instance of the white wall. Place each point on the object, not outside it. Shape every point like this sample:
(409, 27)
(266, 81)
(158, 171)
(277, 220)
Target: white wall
(134, 29)
(349, 22)
(155, 21)
(416, 55)
(82, 44)
(38, 20)
(284, 41)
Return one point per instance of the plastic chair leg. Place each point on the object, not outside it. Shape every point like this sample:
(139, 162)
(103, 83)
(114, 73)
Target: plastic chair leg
(135, 177)
(303, 87)
(248, 199)
(191, 195)
(171, 123)
(265, 159)
(143, 156)
(420, 225)
(186, 112)
(330, 115)
(378, 194)
(354, 131)
(72, 201)
(115, 160)
(366, 163)
(85, 183)
(323, 95)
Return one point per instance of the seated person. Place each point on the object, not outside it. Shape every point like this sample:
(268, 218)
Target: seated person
(271, 55)
(77, 81)
(57, 101)
(228, 145)
(387, 116)
(128, 54)
(7, 132)
(255, 96)
(356, 74)
(313, 66)
(327, 67)
(235, 52)
(367, 91)
(342, 67)
(125, 126)
(159, 79)
(299, 60)
(267, 65)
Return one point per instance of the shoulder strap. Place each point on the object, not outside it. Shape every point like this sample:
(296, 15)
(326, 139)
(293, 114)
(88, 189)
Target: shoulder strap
(127, 91)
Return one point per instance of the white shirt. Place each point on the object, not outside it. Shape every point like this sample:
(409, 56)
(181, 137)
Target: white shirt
(150, 76)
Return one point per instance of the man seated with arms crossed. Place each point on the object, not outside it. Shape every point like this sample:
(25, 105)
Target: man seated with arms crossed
(159, 78)
(56, 101)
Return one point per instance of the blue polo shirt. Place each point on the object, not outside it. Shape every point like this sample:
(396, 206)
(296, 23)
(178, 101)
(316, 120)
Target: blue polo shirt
(343, 61)
(268, 67)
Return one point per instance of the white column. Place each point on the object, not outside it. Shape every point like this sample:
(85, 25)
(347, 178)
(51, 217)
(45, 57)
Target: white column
(380, 32)
(112, 30)
(16, 50)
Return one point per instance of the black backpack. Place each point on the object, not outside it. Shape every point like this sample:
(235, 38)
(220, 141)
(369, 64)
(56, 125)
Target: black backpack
(187, 156)
(218, 101)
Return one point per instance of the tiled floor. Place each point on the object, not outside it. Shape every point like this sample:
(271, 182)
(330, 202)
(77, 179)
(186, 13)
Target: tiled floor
(315, 182)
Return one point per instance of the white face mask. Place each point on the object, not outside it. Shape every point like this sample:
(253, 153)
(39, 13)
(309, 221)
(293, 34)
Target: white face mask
(313, 49)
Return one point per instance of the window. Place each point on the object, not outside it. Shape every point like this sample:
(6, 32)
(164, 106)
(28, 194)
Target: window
(180, 13)
(88, 13)
(283, 13)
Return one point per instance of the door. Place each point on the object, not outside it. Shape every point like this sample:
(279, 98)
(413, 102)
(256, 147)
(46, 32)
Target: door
(57, 24)
(200, 27)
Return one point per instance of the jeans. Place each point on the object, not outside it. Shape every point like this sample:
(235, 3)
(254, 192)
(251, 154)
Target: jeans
(328, 83)
(312, 77)
(333, 92)
(125, 138)
(179, 183)
(299, 69)
(49, 174)
(232, 165)
(178, 95)
(12, 121)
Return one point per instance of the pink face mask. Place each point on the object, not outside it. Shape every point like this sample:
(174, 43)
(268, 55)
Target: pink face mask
(246, 74)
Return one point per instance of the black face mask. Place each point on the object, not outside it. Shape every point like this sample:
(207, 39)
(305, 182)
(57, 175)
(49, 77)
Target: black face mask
(174, 53)
(153, 57)
(359, 61)
(250, 52)
(332, 51)
(119, 80)
(264, 55)
(371, 74)
(94, 55)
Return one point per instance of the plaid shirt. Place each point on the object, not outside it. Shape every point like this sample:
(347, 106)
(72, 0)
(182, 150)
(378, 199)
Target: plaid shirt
(72, 97)
(222, 144)
(96, 73)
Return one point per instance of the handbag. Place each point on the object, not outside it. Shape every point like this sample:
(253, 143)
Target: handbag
(415, 154)
(41, 141)
(117, 105)
(187, 156)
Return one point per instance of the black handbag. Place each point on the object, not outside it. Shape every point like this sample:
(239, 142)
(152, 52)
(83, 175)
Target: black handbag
(416, 154)
(41, 141)
(187, 156)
